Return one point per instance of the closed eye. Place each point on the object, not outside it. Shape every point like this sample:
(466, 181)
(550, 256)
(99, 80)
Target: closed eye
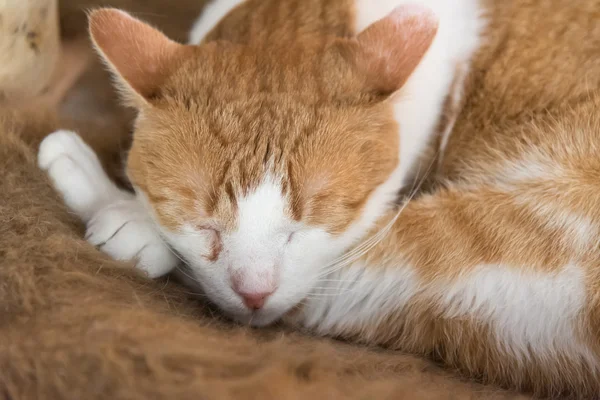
(215, 245)
(202, 231)
(291, 237)
(207, 228)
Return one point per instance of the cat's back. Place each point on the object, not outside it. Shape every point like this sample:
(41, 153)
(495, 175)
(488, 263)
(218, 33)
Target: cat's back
(540, 63)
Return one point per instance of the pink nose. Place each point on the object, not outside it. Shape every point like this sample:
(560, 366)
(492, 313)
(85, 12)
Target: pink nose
(254, 301)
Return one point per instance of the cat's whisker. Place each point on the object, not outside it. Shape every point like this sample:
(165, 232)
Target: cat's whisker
(330, 288)
(160, 237)
(335, 291)
(187, 274)
(367, 243)
(195, 294)
(363, 249)
(358, 249)
(321, 295)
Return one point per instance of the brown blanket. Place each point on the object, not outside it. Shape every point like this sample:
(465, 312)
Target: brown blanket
(76, 325)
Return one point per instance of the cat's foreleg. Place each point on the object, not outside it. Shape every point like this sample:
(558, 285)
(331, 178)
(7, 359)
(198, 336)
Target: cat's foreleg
(116, 221)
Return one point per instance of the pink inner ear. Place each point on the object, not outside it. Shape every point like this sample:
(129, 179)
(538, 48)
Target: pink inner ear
(137, 52)
(391, 48)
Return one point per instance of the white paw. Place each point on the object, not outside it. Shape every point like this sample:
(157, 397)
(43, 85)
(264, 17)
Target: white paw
(124, 231)
(77, 174)
(116, 222)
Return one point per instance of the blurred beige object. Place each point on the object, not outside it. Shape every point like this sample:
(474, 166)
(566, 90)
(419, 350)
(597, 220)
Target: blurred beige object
(29, 46)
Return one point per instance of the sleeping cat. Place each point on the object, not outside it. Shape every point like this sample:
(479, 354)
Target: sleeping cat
(270, 157)
(276, 114)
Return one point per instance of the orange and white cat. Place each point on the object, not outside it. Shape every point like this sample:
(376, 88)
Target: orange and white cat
(269, 158)
(291, 138)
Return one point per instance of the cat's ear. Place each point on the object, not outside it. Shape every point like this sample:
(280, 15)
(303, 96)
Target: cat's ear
(389, 50)
(140, 56)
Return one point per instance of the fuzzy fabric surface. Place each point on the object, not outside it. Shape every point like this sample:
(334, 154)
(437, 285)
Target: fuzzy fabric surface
(76, 325)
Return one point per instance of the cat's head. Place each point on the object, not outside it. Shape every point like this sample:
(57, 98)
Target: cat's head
(263, 165)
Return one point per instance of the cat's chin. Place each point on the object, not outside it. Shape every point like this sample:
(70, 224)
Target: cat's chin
(258, 319)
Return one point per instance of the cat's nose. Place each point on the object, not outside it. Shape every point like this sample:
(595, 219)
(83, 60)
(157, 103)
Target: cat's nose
(253, 291)
(254, 301)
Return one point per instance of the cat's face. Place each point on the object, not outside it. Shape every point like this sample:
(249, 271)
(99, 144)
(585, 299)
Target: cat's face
(260, 168)
(259, 193)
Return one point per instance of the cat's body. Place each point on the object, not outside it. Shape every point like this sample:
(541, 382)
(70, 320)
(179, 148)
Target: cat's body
(270, 197)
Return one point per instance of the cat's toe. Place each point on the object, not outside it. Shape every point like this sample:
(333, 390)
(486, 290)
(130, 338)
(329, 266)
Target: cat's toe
(109, 220)
(64, 143)
(156, 259)
(76, 173)
(124, 231)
